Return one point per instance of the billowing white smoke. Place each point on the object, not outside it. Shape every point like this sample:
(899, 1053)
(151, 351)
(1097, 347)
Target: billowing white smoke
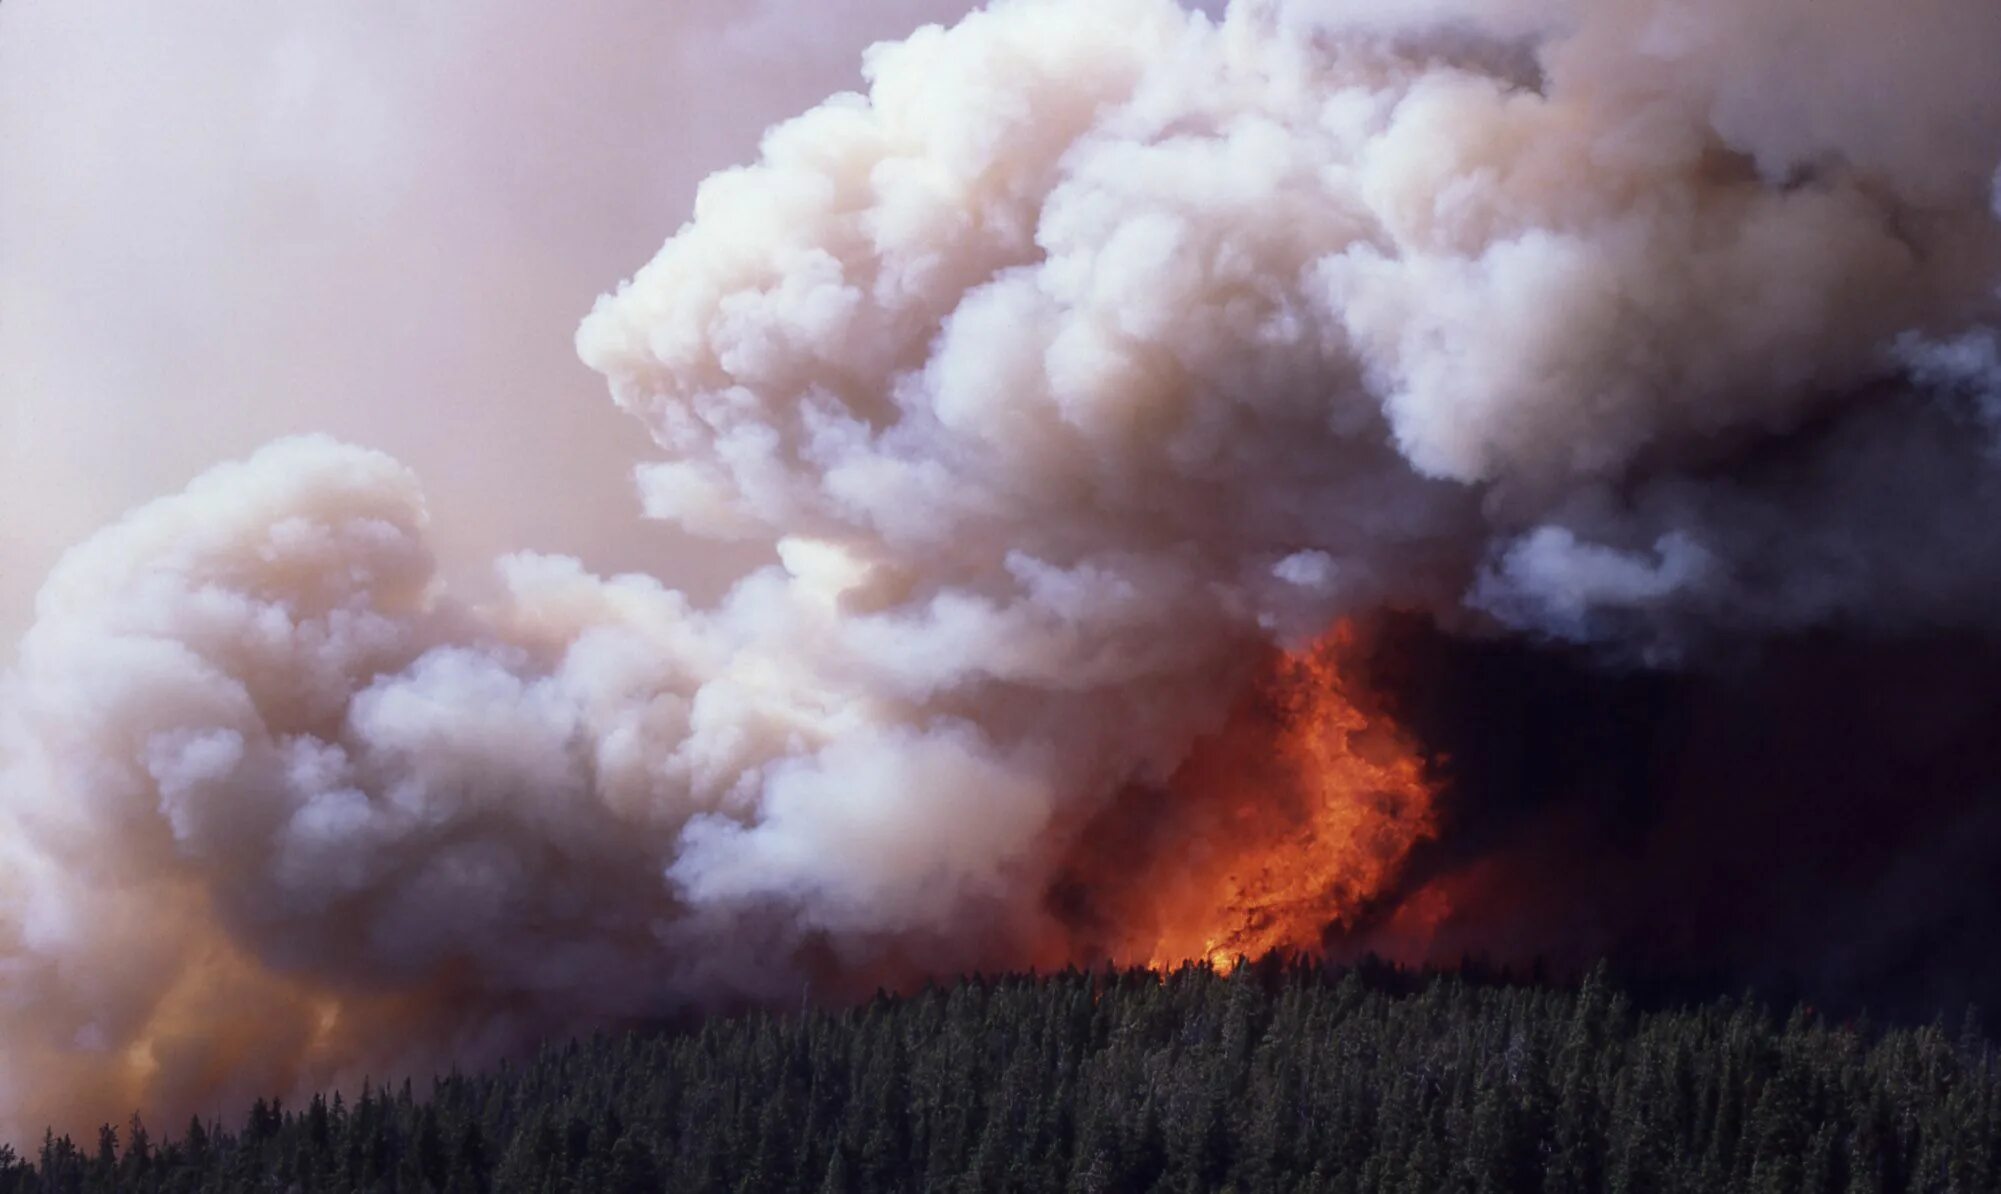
(1098, 345)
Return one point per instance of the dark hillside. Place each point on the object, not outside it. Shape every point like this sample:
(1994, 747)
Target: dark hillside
(1273, 1078)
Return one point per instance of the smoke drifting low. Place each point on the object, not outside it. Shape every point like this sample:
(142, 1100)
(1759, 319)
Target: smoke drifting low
(1097, 349)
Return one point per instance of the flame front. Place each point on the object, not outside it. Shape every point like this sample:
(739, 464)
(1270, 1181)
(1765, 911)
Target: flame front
(1294, 820)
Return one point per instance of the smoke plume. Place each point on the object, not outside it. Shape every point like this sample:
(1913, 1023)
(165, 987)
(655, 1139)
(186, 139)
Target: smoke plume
(1095, 351)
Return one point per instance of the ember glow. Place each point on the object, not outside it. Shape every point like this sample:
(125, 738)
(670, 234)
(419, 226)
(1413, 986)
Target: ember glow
(1288, 824)
(1317, 804)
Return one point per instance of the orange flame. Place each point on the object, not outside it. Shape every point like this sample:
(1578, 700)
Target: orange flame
(1293, 820)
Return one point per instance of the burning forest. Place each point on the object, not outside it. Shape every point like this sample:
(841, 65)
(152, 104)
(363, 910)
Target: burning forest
(1474, 478)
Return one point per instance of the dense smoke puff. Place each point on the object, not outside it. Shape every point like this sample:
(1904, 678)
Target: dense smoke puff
(1098, 346)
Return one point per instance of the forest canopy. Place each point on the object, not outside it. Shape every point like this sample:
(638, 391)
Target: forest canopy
(1272, 1077)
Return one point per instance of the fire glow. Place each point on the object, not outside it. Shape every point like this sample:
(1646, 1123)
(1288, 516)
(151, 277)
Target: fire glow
(1290, 823)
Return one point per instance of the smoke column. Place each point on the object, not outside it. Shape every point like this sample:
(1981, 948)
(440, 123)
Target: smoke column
(1098, 349)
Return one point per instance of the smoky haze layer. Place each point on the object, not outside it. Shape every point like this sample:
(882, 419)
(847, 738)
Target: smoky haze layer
(1093, 350)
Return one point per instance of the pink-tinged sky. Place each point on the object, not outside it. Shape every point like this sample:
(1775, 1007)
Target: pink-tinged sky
(227, 220)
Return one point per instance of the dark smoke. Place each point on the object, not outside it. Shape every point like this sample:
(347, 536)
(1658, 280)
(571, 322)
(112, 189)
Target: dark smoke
(1816, 816)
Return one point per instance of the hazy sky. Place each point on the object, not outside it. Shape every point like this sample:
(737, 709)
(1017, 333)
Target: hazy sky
(227, 220)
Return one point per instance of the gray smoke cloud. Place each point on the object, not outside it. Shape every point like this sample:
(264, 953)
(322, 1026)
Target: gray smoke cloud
(1093, 349)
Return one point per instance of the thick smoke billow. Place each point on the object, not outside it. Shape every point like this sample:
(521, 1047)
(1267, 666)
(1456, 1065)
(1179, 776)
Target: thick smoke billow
(1096, 348)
